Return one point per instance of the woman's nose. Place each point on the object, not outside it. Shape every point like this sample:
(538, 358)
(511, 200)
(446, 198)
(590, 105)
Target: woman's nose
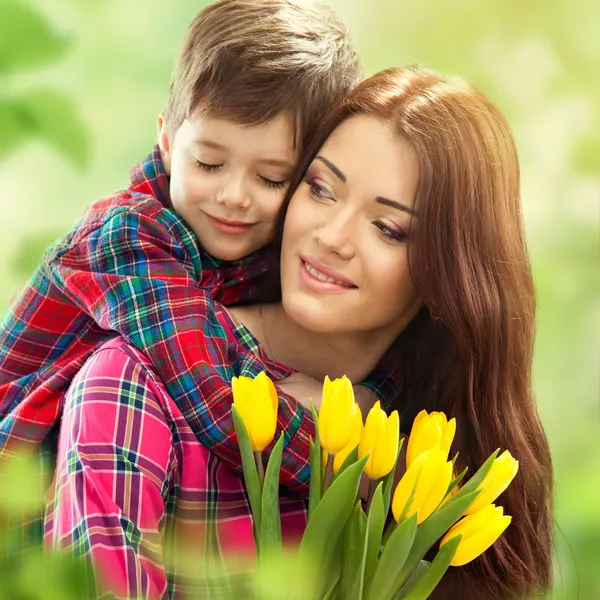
(336, 236)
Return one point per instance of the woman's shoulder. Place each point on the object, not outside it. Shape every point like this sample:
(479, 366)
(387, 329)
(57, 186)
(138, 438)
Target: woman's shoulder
(117, 373)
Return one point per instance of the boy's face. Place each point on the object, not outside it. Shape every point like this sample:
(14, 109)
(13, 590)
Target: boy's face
(228, 180)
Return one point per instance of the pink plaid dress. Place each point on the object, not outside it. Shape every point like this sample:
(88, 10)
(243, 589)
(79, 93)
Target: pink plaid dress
(132, 479)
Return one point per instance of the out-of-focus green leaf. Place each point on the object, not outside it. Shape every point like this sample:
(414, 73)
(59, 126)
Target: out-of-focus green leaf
(14, 128)
(27, 40)
(53, 117)
(44, 114)
(21, 484)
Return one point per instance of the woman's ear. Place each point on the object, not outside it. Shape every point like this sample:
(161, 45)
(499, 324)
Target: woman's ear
(164, 143)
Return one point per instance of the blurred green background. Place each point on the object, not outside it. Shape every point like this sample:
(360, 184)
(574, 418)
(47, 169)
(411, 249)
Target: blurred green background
(81, 84)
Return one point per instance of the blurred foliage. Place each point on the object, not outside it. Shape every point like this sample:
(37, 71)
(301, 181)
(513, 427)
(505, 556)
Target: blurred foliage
(537, 60)
(27, 572)
(27, 41)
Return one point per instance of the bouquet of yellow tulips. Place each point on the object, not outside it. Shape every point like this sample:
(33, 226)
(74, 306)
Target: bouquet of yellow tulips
(354, 554)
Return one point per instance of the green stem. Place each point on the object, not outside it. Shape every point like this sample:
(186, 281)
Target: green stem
(260, 468)
(328, 473)
(372, 487)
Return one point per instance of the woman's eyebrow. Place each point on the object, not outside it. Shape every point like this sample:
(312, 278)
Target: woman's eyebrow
(333, 168)
(394, 204)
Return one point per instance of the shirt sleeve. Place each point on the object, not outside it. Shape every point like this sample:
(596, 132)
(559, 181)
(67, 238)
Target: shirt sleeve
(385, 385)
(114, 454)
(139, 274)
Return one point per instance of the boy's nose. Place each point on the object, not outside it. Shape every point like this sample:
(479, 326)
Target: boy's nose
(234, 196)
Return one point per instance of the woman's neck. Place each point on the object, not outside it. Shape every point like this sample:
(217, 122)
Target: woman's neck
(314, 354)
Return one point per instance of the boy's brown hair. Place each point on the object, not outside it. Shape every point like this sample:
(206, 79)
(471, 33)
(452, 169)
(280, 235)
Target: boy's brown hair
(249, 60)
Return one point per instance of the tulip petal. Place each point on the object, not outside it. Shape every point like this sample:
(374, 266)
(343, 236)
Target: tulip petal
(499, 477)
(473, 546)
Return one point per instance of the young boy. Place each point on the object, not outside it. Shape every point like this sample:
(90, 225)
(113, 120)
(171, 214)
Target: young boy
(248, 88)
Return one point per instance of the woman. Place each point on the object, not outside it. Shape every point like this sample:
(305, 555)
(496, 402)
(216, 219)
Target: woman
(402, 240)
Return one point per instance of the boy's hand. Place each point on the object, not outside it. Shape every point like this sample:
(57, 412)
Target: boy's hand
(303, 389)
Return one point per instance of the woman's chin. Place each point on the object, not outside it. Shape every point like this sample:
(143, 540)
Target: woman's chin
(314, 315)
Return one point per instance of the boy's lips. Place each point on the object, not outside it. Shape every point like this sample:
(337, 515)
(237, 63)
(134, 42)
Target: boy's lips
(227, 226)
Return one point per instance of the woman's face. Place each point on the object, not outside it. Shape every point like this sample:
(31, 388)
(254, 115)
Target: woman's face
(344, 262)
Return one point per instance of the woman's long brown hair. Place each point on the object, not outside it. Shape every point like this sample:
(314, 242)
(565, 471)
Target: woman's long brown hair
(469, 351)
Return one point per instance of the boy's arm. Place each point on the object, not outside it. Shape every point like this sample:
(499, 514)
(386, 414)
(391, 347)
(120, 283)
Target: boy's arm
(139, 274)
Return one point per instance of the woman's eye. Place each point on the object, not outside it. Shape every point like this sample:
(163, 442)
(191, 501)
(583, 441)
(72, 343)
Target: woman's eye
(276, 185)
(398, 235)
(318, 191)
(208, 167)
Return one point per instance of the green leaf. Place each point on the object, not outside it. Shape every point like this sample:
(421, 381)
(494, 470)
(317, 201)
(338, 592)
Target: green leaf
(333, 574)
(375, 524)
(432, 529)
(349, 460)
(433, 575)
(27, 39)
(270, 526)
(326, 524)
(456, 481)
(386, 579)
(249, 467)
(316, 466)
(388, 481)
(421, 569)
(353, 551)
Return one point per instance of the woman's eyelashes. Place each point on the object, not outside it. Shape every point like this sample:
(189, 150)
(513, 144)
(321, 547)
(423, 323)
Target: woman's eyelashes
(266, 181)
(317, 191)
(396, 234)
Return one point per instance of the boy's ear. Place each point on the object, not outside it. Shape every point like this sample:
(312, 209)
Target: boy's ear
(164, 143)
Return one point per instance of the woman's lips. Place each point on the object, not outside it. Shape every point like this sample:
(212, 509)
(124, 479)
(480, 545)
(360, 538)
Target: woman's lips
(318, 280)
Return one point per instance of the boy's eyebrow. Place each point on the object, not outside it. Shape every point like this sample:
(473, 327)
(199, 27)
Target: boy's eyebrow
(277, 163)
(209, 144)
(333, 168)
(394, 204)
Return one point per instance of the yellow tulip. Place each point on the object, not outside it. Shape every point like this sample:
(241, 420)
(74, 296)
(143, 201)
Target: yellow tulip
(337, 414)
(430, 430)
(501, 473)
(357, 427)
(257, 403)
(379, 437)
(479, 530)
(429, 476)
